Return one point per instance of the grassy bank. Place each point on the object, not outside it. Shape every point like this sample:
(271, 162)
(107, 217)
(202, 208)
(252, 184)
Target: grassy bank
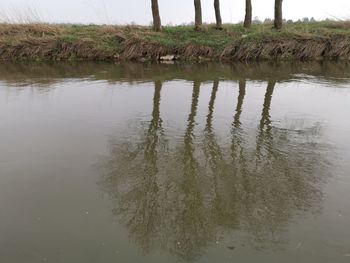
(297, 41)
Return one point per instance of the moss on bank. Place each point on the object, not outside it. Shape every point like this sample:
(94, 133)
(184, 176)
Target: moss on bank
(301, 41)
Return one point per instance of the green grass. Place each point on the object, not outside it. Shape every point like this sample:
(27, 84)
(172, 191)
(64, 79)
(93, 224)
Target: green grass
(218, 39)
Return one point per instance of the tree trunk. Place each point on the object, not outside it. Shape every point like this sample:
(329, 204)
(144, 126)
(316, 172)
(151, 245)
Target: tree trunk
(156, 17)
(278, 14)
(218, 14)
(198, 14)
(248, 14)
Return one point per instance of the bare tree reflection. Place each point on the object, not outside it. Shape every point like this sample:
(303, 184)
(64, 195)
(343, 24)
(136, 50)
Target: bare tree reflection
(236, 130)
(180, 198)
(137, 194)
(281, 182)
(222, 202)
(191, 225)
(264, 139)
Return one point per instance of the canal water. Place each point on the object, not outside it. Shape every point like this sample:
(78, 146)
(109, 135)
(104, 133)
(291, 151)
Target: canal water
(174, 162)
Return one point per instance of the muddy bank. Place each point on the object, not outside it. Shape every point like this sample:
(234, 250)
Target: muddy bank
(113, 43)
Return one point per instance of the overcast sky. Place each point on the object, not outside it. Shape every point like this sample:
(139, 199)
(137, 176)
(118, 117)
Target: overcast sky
(172, 11)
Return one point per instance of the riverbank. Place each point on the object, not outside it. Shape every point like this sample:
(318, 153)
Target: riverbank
(297, 41)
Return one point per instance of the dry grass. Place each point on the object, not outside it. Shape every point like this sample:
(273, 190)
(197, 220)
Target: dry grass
(338, 25)
(135, 48)
(52, 42)
(30, 29)
(286, 49)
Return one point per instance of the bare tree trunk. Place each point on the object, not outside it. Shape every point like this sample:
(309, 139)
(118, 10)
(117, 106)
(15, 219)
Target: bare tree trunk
(198, 14)
(218, 14)
(278, 14)
(248, 14)
(156, 17)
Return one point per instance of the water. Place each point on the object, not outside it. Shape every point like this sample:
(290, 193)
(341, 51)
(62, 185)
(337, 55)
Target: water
(174, 163)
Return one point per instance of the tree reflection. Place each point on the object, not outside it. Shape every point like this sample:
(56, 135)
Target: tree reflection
(135, 184)
(191, 224)
(264, 139)
(180, 195)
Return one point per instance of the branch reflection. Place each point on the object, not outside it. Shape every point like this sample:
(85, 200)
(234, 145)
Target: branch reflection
(182, 198)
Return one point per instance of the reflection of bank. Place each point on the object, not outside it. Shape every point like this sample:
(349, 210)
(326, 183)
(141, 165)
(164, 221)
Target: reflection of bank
(179, 199)
(51, 73)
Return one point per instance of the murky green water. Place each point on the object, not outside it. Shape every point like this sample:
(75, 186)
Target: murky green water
(174, 163)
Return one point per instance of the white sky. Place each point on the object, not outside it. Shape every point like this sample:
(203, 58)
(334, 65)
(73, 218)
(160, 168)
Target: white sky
(172, 11)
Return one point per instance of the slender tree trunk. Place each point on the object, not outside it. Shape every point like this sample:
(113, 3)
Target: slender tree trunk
(248, 14)
(156, 17)
(278, 14)
(198, 14)
(218, 14)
